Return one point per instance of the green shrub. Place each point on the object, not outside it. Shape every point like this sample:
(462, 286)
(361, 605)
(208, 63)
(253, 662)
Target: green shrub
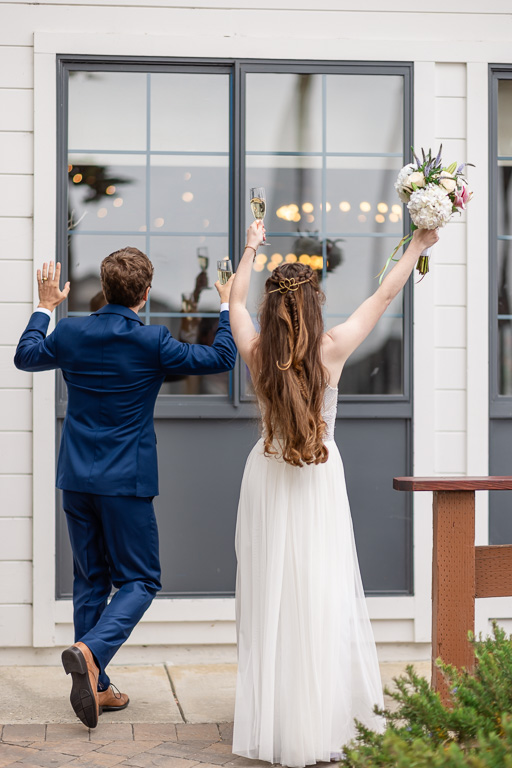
(474, 730)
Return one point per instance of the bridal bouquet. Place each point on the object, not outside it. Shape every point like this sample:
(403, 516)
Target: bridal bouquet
(433, 193)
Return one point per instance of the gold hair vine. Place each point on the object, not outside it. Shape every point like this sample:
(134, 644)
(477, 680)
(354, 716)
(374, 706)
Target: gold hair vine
(289, 284)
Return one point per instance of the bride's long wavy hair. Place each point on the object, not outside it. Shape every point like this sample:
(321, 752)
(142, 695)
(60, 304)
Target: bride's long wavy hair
(291, 380)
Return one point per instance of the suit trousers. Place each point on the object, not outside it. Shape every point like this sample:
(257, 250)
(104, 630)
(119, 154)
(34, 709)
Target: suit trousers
(115, 544)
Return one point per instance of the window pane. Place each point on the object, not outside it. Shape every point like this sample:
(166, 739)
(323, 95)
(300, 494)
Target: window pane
(505, 117)
(182, 278)
(364, 113)
(151, 189)
(194, 330)
(189, 194)
(107, 193)
(189, 113)
(505, 197)
(86, 252)
(107, 110)
(333, 208)
(293, 187)
(361, 197)
(375, 368)
(284, 113)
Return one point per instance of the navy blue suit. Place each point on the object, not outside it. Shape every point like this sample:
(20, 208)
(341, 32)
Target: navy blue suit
(113, 366)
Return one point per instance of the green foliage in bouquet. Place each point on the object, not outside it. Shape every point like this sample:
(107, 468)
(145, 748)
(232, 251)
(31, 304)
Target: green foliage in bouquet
(474, 730)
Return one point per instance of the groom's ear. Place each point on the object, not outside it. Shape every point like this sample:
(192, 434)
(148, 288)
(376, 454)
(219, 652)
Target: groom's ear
(147, 293)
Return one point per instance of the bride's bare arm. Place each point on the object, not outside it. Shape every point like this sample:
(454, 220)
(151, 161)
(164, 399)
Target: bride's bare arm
(343, 339)
(242, 326)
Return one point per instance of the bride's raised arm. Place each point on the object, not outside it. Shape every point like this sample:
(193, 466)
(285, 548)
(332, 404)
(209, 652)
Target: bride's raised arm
(242, 326)
(343, 339)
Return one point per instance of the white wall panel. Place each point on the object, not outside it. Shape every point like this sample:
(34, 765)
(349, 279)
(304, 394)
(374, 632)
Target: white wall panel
(450, 410)
(19, 287)
(450, 285)
(451, 118)
(15, 238)
(16, 194)
(15, 495)
(451, 246)
(450, 453)
(16, 152)
(16, 67)
(10, 377)
(16, 110)
(450, 79)
(450, 368)
(13, 319)
(16, 409)
(15, 625)
(15, 582)
(15, 538)
(16, 453)
(450, 327)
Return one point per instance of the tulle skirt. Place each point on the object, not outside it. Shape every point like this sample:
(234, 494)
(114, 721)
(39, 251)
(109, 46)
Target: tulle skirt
(307, 663)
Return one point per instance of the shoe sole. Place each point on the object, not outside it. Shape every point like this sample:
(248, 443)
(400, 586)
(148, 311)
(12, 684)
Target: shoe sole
(82, 696)
(114, 709)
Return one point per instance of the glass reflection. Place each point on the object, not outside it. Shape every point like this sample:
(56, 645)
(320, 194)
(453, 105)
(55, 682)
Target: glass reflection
(364, 113)
(376, 367)
(193, 330)
(106, 192)
(505, 118)
(189, 113)
(505, 197)
(284, 113)
(181, 274)
(189, 194)
(107, 110)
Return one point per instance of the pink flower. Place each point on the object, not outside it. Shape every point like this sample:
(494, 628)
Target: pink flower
(462, 196)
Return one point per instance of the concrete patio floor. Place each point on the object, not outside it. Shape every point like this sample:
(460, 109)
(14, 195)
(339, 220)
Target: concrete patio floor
(178, 717)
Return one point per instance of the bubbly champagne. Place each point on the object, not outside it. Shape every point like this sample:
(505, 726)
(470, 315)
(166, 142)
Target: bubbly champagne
(258, 208)
(224, 275)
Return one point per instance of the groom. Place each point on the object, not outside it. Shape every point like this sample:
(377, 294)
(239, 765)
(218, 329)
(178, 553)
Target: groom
(113, 366)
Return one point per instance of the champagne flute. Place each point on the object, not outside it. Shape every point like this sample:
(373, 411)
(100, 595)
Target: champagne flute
(258, 206)
(224, 270)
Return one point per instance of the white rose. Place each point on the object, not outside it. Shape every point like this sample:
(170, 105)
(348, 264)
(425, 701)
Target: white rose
(448, 184)
(415, 178)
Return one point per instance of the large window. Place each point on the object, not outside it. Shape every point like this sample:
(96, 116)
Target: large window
(160, 155)
(161, 158)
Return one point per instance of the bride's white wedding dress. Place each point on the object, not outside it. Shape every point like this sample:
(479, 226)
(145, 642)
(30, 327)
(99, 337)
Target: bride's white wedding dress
(307, 663)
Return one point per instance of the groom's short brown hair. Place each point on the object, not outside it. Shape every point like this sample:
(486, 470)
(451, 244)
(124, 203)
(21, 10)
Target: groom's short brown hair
(125, 275)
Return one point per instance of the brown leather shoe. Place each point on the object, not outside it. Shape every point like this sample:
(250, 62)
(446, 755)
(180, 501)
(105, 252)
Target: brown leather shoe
(79, 662)
(112, 700)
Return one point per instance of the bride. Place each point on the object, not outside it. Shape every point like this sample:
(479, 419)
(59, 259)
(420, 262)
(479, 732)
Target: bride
(307, 663)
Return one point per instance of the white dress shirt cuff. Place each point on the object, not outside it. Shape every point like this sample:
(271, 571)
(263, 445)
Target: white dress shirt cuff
(43, 310)
(224, 307)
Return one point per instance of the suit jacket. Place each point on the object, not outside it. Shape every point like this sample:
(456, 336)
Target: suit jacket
(114, 366)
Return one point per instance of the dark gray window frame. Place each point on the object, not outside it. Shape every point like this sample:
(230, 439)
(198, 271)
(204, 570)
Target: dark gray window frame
(500, 406)
(204, 406)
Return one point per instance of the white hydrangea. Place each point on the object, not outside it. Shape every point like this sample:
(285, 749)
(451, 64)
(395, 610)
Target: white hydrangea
(399, 183)
(430, 207)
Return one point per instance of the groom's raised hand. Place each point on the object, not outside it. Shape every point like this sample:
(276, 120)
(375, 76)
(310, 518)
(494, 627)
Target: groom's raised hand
(48, 280)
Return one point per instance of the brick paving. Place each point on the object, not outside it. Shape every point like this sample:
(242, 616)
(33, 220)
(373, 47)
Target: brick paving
(137, 745)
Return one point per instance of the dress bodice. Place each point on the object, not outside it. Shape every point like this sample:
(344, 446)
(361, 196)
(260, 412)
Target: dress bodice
(330, 410)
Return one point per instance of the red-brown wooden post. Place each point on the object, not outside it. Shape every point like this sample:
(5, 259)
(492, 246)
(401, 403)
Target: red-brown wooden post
(460, 572)
(453, 581)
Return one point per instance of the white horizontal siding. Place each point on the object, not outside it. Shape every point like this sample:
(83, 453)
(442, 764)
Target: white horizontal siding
(16, 495)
